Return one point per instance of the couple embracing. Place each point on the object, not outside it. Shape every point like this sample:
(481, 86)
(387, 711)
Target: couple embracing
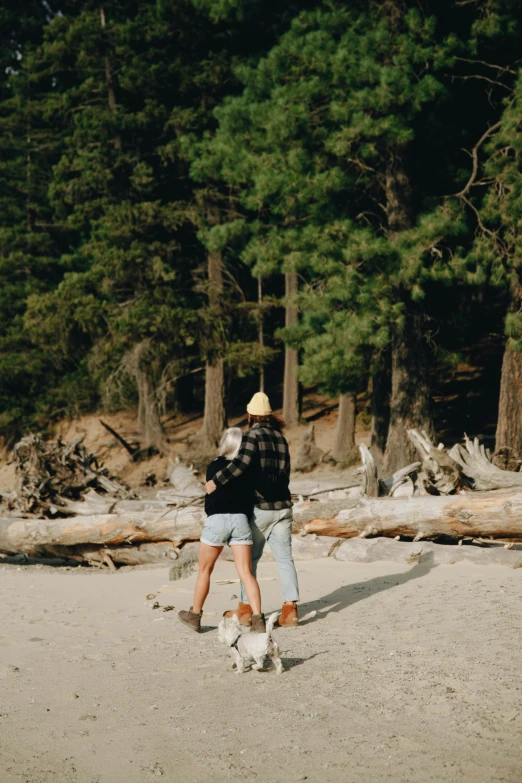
(248, 503)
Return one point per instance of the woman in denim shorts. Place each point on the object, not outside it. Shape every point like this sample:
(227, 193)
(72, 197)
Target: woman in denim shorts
(228, 511)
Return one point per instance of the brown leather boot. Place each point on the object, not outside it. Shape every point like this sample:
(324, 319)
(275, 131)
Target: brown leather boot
(243, 612)
(288, 617)
(258, 623)
(190, 618)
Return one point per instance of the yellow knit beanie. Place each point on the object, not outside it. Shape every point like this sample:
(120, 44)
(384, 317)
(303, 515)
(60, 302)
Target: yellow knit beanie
(259, 405)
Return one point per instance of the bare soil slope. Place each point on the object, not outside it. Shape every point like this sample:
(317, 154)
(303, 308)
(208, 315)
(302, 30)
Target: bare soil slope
(110, 452)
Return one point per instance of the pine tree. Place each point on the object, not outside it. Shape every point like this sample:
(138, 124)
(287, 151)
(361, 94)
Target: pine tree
(242, 18)
(489, 190)
(31, 141)
(341, 149)
(169, 169)
(122, 187)
(499, 248)
(319, 136)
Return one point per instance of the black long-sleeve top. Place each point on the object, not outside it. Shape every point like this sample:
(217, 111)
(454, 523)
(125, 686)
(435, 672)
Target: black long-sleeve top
(264, 454)
(234, 498)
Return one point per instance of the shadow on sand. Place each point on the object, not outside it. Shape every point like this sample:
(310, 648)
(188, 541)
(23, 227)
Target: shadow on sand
(348, 595)
(291, 663)
(54, 562)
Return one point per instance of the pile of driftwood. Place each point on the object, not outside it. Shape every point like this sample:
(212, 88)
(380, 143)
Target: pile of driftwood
(67, 506)
(456, 494)
(52, 476)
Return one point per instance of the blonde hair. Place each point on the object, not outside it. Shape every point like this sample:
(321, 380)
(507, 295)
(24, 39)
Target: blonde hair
(230, 443)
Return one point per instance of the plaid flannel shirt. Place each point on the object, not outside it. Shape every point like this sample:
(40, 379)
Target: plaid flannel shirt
(264, 449)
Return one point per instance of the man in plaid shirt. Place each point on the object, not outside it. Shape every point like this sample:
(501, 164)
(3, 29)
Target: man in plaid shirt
(264, 451)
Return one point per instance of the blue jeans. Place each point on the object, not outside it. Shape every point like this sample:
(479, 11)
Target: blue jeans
(276, 528)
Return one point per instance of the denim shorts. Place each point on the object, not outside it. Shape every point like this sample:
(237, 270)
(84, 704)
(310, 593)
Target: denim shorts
(232, 529)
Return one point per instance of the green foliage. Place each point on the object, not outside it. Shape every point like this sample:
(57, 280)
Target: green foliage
(317, 137)
(501, 213)
(308, 150)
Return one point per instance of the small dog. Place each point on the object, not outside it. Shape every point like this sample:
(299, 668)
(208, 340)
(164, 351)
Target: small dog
(250, 646)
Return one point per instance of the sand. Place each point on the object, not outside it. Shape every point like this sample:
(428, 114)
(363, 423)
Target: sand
(405, 674)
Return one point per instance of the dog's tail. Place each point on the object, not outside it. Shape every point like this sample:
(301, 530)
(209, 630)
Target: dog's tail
(271, 622)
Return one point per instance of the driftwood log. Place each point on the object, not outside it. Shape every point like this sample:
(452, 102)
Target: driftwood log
(423, 554)
(373, 487)
(496, 515)
(127, 538)
(439, 474)
(476, 465)
(468, 465)
(168, 536)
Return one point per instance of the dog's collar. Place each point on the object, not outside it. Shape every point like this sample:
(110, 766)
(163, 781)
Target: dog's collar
(234, 644)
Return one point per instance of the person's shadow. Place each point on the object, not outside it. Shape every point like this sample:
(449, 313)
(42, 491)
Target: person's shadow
(347, 595)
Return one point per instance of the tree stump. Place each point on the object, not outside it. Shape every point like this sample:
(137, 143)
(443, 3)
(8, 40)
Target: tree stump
(309, 454)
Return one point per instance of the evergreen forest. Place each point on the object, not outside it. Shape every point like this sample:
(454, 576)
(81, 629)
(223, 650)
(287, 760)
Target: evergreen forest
(204, 198)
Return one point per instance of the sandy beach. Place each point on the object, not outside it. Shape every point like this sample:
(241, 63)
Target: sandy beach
(406, 673)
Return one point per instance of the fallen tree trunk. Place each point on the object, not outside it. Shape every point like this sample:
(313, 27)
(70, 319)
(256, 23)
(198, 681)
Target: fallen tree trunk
(127, 538)
(425, 554)
(142, 554)
(157, 537)
(493, 515)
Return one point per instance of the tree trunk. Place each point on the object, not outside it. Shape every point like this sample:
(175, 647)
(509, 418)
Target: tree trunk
(421, 556)
(291, 381)
(137, 363)
(109, 82)
(410, 395)
(214, 417)
(344, 444)
(140, 537)
(410, 402)
(309, 454)
(149, 422)
(380, 405)
(509, 424)
(261, 334)
(399, 212)
(494, 515)
(29, 164)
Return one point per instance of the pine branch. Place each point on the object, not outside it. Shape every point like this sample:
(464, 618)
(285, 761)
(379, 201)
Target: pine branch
(481, 225)
(474, 155)
(482, 78)
(501, 68)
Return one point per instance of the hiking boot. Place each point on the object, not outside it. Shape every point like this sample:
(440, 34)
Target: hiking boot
(243, 614)
(258, 624)
(288, 616)
(190, 618)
